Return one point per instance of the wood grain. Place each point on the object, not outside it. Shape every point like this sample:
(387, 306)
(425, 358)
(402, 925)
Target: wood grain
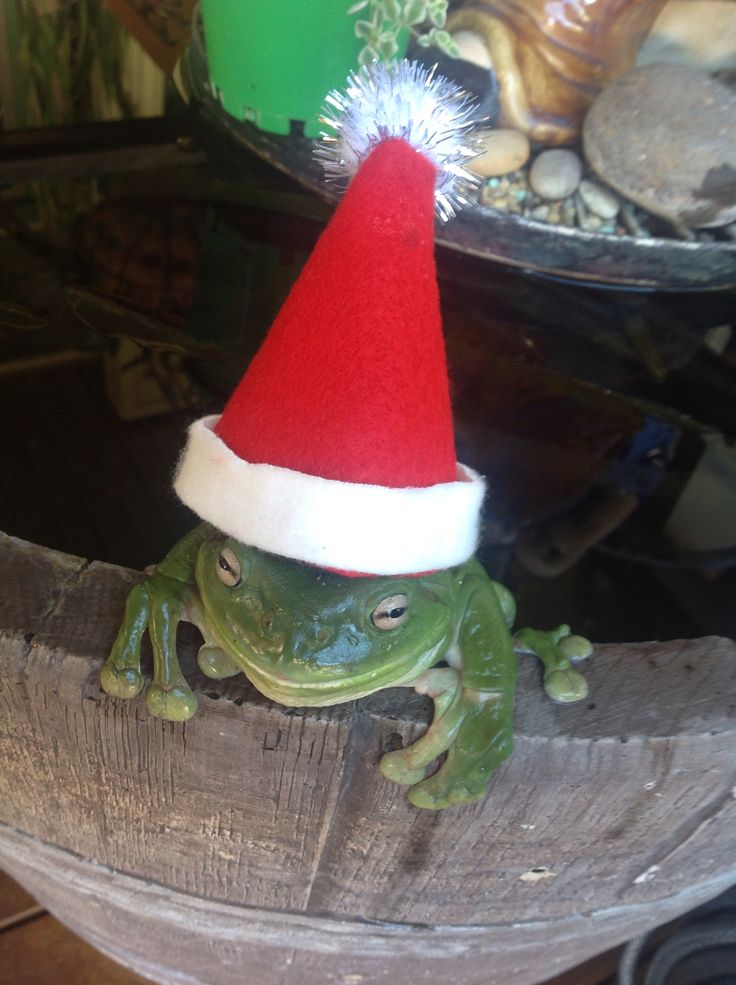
(262, 837)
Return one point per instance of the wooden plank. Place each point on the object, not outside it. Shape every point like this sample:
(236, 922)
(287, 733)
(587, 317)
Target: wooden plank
(175, 937)
(25, 957)
(236, 811)
(275, 835)
(582, 797)
(34, 578)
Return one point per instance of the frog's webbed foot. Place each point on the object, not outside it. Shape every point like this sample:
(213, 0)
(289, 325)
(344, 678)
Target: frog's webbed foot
(472, 727)
(158, 604)
(558, 650)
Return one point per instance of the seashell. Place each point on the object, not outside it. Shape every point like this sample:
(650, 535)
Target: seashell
(552, 57)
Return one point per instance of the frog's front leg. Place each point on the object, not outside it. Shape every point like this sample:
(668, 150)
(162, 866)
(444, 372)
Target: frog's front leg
(157, 604)
(409, 765)
(472, 727)
(121, 673)
(473, 706)
(169, 696)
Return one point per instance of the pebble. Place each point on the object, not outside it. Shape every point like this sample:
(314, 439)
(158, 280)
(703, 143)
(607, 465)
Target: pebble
(599, 200)
(663, 137)
(489, 196)
(511, 193)
(503, 151)
(632, 223)
(556, 174)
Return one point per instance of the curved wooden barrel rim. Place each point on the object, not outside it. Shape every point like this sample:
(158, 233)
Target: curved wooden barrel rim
(262, 839)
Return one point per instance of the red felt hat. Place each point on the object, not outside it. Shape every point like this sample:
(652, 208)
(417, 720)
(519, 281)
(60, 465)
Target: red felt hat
(337, 446)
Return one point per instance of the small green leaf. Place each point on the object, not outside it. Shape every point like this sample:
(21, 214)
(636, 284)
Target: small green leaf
(392, 10)
(388, 49)
(438, 12)
(451, 48)
(424, 41)
(442, 39)
(415, 11)
(363, 29)
(361, 5)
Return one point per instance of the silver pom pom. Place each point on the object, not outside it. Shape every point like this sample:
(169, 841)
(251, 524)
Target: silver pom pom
(402, 99)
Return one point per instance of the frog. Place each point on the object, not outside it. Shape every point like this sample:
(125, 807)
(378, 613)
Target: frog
(311, 637)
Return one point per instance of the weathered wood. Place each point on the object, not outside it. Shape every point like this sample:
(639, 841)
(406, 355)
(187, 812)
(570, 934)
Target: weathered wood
(255, 837)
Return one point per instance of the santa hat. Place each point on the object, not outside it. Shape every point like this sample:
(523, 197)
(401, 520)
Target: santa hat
(337, 446)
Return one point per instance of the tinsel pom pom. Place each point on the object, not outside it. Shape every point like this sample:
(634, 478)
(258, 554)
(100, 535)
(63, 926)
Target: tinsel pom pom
(402, 99)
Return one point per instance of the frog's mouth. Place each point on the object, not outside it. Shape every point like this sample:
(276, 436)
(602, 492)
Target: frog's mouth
(319, 693)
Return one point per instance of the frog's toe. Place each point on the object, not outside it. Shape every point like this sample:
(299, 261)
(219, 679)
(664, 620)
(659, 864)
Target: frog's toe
(566, 685)
(215, 663)
(433, 794)
(120, 682)
(394, 767)
(576, 647)
(177, 704)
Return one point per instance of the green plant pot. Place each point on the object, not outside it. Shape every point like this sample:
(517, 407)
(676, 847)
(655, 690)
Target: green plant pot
(272, 62)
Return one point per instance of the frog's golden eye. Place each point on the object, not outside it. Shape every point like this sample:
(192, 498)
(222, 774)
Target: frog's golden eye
(391, 612)
(228, 568)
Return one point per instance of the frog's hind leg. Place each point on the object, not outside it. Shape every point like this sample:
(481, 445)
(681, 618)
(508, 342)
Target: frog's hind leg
(409, 765)
(121, 673)
(169, 695)
(557, 650)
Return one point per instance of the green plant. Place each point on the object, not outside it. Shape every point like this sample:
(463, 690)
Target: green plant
(69, 58)
(66, 50)
(385, 21)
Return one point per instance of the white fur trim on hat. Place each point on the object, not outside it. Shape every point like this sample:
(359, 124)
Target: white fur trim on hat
(343, 525)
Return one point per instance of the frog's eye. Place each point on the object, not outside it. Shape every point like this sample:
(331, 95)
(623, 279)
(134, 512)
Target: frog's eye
(391, 612)
(228, 568)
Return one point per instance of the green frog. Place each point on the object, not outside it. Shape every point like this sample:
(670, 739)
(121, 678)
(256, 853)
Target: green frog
(310, 637)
